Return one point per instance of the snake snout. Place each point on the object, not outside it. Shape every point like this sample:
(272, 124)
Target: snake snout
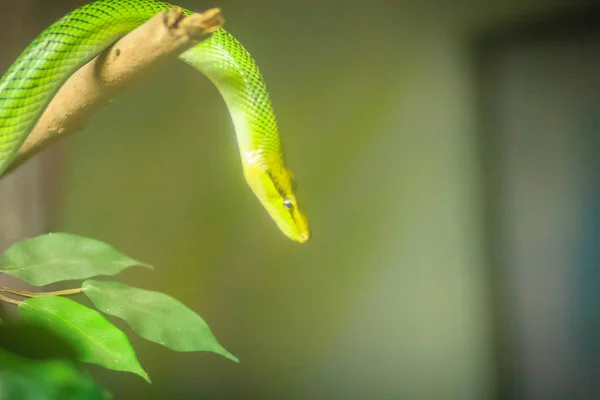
(304, 236)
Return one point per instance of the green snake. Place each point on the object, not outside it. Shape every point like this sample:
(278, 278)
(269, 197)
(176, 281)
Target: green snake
(34, 78)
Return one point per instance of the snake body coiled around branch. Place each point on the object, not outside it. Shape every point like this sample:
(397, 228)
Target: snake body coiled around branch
(33, 79)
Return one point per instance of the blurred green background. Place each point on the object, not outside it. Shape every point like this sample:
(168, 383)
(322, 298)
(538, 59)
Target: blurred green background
(378, 115)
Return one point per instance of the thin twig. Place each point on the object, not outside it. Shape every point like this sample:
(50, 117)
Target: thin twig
(163, 37)
(9, 300)
(25, 293)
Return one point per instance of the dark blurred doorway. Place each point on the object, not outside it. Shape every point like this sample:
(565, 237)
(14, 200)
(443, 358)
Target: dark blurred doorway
(540, 104)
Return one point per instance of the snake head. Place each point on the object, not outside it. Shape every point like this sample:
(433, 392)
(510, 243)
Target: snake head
(274, 188)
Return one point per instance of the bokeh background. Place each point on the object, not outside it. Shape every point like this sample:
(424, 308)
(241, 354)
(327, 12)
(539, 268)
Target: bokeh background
(447, 158)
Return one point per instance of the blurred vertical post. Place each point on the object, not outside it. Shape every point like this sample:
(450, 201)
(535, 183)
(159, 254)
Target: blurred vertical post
(26, 194)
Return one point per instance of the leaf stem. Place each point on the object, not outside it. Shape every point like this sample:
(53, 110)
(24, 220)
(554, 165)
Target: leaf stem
(25, 293)
(9, 300)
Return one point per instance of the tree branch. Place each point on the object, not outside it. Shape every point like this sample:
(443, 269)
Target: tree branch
(9, 300)
(25, 293)
(163, 37)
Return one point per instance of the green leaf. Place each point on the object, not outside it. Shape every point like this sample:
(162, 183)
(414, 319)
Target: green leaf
(25, 379)
(93, 337)
(33, 341)
(56, 257)
(155, 316)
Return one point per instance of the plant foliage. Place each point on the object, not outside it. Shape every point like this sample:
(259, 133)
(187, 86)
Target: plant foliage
(94, 339)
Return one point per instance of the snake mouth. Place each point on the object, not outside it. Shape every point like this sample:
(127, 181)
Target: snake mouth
(297, 235)
(295, 229)
(303, 231)
(304, 237)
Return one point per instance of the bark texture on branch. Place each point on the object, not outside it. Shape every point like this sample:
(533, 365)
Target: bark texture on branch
(163, 37)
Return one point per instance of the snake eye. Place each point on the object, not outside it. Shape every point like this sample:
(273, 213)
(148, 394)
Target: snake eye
(287, 203)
